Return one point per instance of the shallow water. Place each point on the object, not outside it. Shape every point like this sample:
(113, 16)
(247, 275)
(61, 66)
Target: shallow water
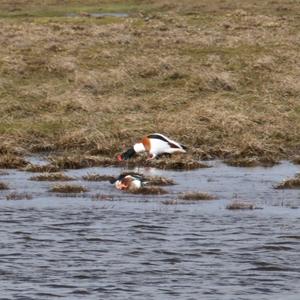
(135, 247)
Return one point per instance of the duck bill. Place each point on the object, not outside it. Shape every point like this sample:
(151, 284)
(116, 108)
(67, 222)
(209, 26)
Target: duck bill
(126, 155)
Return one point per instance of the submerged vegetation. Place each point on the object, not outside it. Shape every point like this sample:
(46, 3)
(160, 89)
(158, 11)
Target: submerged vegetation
(236, 205)
(52, 177)
(149, 190)
(3, 186)
(67, 188)
(97, 177)
(197, 196)
(18, 196)
(292, 183)
(221, 77)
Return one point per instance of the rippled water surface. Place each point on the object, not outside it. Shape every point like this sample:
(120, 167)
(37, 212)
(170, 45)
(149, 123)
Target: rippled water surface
(137, 247)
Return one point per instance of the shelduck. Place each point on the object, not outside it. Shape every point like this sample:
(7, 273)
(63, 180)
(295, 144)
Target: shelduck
(155, 144)
(129, 181)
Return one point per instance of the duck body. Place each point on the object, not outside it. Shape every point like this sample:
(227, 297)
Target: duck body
(155, 144)
(129, 181)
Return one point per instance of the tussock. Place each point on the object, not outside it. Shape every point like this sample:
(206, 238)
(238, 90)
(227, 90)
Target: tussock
(66, 188)
(3, 186)
(41, 168)
(8, 161)
(97, 177)
(52, 177)
(293, 183)
(169, 202)
(18, 196)
(252, 162)
(296, 160)
(196, 196)
(236, 205)
(78, 161)
(148, 191)
(102, 197)
(159, 180)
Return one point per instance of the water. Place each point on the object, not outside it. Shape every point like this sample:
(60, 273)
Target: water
(135, 247)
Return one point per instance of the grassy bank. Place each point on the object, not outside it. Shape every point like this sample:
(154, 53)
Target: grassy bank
(222, 77)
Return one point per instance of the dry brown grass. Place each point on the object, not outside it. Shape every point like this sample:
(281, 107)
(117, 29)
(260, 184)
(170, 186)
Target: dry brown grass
(67, 188)
(236, 205)
(218, 76)
(18, 196)
(3, 186)
(52, 177)
(296, 160)
(292, 183)
(9, 161)
(197, 196)
(97, 177)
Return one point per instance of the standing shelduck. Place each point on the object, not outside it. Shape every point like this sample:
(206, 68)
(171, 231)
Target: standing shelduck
(155, 144)
(129, 181)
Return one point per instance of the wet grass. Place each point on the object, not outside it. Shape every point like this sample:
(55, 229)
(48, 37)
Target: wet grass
(159, 180)
(252, 162)
(151, 190)
(18, 196)
(3, 186)
(52, 177)
(293, 183)
(219, 77)
(97, 177)
(176, 162)
(102, 197)
(197, 196)
(8, 161)
(81, 161)
(67, 188)
(240, 205)
(41, 168)
(169, 202)
(296, 160)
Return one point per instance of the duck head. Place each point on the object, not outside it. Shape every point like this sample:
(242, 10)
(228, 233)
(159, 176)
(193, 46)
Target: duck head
(138, 147)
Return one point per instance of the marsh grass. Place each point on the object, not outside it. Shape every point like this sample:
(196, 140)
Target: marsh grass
(3, 186)
(19, 196)
(102, 197)
(41, 168)
(81, 161)
(252, 162)
(52, 177)
(9, 161)
(150, 190)
(97, 177)
(296, 160)
(213, 76)
(169, 202)
(159, 180)
(240, 205)
(67, 188)
(292, 183)
(197, 196)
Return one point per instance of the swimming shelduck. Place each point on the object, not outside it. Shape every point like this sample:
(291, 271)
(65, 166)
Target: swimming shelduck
(155, 144)
(129, 181)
